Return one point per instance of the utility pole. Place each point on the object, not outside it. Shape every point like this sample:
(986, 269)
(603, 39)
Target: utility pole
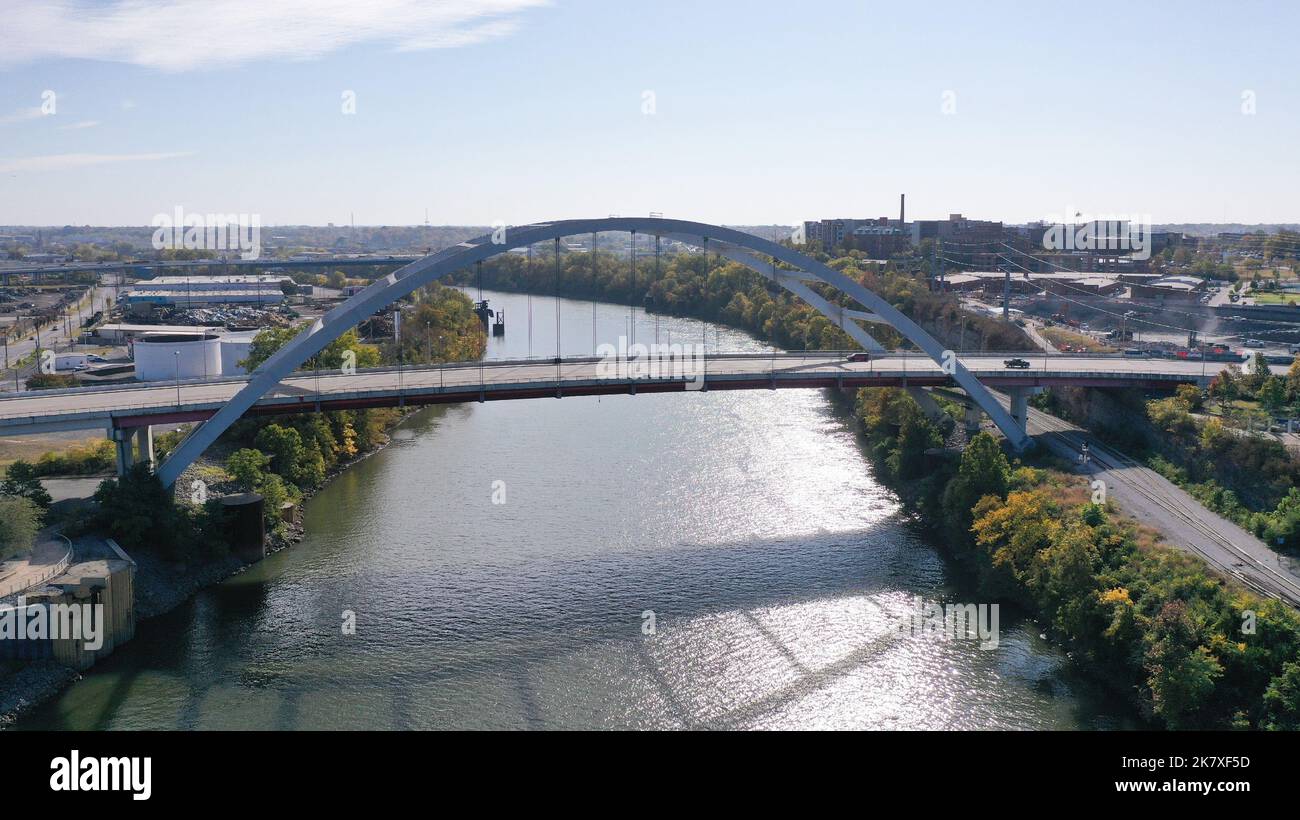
(1006, 295)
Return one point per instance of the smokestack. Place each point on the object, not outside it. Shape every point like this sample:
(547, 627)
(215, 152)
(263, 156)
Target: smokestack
(902, 210)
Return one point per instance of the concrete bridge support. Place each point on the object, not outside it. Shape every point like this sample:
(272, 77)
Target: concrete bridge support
(126, 441)
(932, 409)
(974, 416)
(1020, 406)
(144, 444)
(122, 440)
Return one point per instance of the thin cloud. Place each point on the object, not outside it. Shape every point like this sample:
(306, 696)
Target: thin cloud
(64, 162)
(194, 34)
(22, 115)
(77, 126)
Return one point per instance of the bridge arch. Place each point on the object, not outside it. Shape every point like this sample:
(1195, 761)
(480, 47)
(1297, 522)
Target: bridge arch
(736, 245)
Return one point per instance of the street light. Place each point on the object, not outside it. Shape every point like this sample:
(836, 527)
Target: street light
(442, 364)
(176, 356)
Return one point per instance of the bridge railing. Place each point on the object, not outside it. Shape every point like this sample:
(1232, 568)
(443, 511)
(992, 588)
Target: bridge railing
(904, 359)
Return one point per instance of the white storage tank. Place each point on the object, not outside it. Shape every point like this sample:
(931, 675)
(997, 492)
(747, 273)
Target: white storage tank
(168, 356)
(235, 347)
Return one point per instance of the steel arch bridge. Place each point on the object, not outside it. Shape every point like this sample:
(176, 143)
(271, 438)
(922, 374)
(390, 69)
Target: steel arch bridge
(738, 246)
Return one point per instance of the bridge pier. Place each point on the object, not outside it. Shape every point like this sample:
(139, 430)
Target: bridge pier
(122, 440)
(126, 441)
(931, 409)
(144, 443)
(1020, 406)
(974, 417)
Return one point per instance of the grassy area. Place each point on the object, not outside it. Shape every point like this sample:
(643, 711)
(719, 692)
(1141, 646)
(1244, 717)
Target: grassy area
(31, 448)
(1063, 338)
(1274, 298)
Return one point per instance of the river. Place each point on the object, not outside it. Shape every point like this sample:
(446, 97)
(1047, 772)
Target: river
(699, 560)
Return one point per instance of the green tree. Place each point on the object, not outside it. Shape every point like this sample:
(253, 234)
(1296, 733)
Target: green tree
(284, 446)
(916, 434)
(21, 480)
(1225, 388)
(248, 467)
(1282, 699)
(332, 357)
(1259, 371)
(1272, 393)
(984, 470)
(1181, 672)
(19, 523)
(138, 511)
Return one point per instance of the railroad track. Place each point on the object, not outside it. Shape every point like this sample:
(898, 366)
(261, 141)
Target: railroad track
(1247, 569)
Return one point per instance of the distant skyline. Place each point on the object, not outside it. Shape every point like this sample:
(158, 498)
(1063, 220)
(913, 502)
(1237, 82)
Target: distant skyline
(739, 113)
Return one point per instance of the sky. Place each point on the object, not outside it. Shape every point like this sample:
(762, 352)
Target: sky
(741, 113)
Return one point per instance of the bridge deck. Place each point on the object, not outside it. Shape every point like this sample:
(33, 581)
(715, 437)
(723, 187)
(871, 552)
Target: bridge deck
(158, 402)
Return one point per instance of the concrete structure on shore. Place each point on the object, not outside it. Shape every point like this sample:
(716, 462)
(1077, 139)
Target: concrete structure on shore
(86, 610)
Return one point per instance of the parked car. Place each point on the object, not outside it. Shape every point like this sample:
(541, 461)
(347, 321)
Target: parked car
(1016, 363)
(1135, 353)
(1254, 343)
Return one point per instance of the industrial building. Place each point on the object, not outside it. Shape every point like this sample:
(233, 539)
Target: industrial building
(199, 291)
(1171, 289)
(119, 333)
(1063, 283)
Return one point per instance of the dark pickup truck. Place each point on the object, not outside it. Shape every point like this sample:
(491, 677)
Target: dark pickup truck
(1017, 363)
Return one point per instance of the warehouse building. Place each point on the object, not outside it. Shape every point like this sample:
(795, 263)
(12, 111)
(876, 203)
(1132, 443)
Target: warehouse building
(200, 291)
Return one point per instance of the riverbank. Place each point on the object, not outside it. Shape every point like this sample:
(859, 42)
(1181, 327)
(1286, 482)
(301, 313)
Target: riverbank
(160, 586)
(1188, 647)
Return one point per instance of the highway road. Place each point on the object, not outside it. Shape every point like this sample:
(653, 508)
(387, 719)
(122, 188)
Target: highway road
(261, 262)
(91, 407)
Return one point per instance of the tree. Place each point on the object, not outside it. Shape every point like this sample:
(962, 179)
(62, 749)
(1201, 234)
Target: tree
(1191, 395)
(137, 510)
(1272, 393)
(1171, 416)
(333, 357)
(19, 523)
(1293, 380)
(1259, 371)
(1014, 532)
(248, 467)
(984, 470)
(916, 434)
(21, 480)
(1181, 672)
(1225, 388)
(284, 446)
(1282, 700)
